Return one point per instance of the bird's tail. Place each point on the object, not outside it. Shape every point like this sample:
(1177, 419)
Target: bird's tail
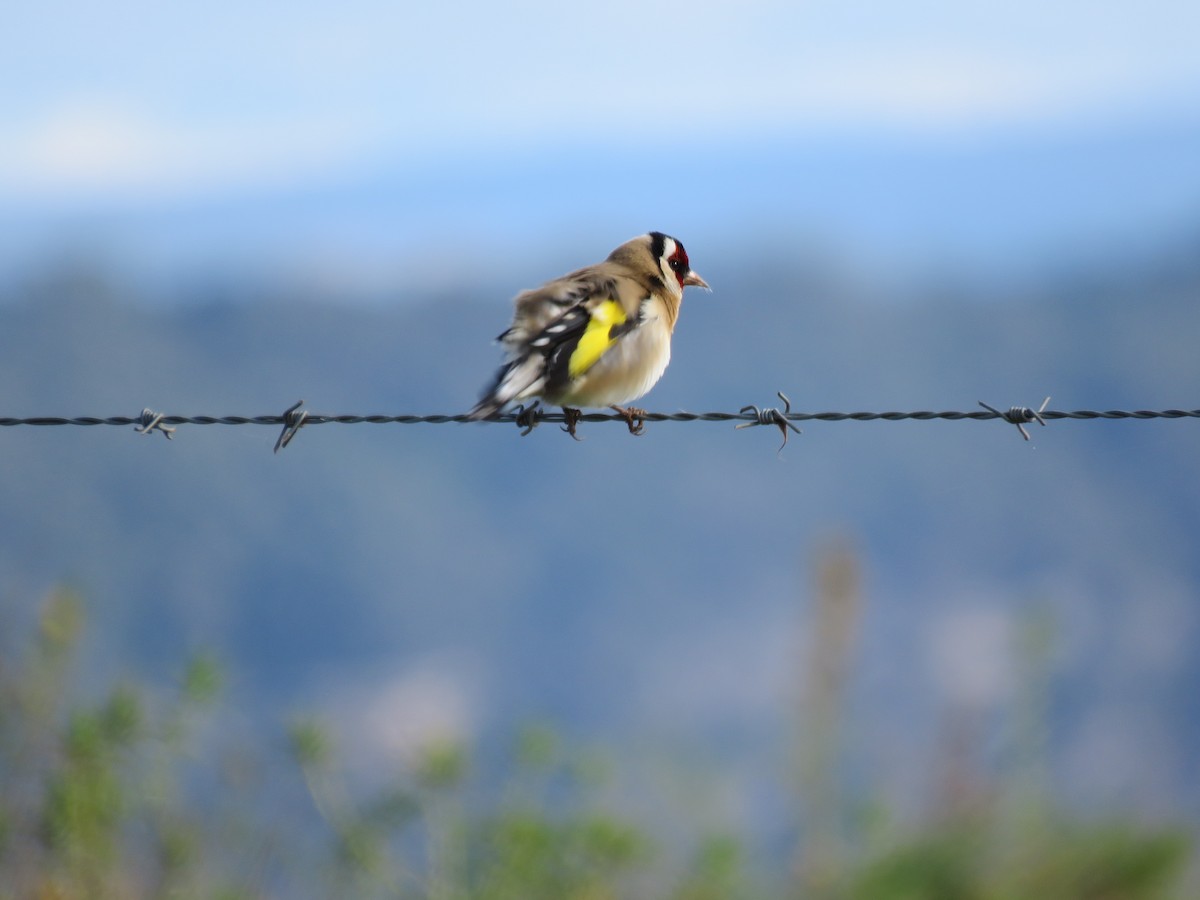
(516, 380)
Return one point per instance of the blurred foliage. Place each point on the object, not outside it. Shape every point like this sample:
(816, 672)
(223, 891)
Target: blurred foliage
(1070, 861)
(123, 792)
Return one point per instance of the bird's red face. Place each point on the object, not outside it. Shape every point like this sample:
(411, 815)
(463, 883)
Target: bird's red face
(678, 261)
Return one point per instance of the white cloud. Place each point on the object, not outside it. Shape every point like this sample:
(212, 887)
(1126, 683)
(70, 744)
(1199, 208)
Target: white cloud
(88, 143)
(99, 147)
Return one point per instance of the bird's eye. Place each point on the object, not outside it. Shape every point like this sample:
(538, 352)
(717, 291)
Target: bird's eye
(679, 259)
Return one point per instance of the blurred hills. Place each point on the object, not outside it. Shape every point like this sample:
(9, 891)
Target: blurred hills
(992, 204)
(418, 580)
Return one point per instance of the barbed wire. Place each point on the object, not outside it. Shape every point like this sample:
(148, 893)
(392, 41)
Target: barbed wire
(527, 418)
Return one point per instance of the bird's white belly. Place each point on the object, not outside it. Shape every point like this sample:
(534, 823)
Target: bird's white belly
(626, 371)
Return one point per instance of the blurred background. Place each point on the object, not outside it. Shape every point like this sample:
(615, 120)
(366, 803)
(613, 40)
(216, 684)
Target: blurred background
(893, 659)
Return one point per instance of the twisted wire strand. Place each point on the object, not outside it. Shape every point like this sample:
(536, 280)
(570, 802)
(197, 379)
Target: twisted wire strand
(295, 418)
(509, 418)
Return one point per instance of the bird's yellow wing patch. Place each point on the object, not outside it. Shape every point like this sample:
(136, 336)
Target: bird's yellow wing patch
(596, 338)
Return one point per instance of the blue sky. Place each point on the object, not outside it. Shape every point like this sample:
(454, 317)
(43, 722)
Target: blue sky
(173, 98)
(133, 109)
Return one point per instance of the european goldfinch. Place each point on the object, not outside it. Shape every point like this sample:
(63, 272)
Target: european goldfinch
(600, 336)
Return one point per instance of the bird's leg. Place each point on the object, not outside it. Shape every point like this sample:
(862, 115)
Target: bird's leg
(633, 417)
(527, 417)
(571, 418)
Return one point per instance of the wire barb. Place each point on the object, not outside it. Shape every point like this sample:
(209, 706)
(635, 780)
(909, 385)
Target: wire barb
(152, 421)
(772, 416)
(1020, 415)
(293, 420)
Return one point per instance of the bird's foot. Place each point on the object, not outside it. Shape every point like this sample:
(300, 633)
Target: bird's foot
(528, 417)
(634, 418)
(571, 417)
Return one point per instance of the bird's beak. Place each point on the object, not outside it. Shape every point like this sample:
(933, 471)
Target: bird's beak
(694, 280)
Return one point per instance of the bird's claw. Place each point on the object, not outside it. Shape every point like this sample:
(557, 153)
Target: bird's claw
(527, 417)
(634, 418)
(571, 419)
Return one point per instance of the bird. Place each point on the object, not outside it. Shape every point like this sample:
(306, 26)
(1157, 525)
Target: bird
(599, 336)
